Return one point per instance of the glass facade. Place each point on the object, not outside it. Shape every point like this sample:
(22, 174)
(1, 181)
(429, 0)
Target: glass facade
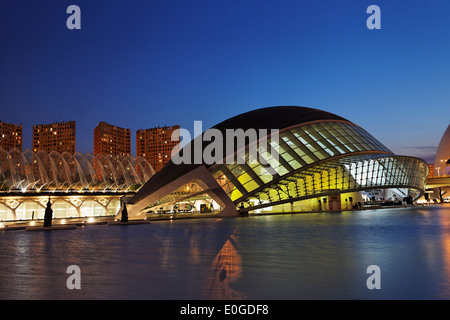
(311, 159)
(318, 158)
(33, 208)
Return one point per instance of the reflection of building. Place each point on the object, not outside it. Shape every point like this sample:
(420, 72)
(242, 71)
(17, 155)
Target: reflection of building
(441, 163)
(10, 136)
(111, 140)
(156, 145)
(225, 269)
(319, 161)
(58, 137)
(28, 179)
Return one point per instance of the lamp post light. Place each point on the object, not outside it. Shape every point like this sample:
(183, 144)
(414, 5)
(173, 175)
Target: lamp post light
(438, 170)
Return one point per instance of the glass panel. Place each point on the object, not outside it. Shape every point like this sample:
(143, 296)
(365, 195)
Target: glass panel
(286, 156)
(311, 147)
(307, 159)
(313, 134)
(237, 171)
(251, 185)
(279, 147)
(244, 178)
(295, 164)
(281, 170)
(321, 154)
(263, 174)
(235, 194)
(228, 187)
(221, 178)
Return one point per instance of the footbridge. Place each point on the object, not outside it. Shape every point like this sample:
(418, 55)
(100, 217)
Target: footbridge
(438, 182)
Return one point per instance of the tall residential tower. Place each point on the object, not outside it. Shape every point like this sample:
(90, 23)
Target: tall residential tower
(58, 136)
(111, 140)
(10, 136)
(155, 145)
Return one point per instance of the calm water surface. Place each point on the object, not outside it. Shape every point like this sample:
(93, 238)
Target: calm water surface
(302, 256)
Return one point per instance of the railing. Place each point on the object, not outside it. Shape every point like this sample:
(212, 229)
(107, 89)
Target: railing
(440, 176)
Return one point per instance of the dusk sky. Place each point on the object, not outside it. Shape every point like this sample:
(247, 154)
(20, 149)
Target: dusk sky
(144, 63)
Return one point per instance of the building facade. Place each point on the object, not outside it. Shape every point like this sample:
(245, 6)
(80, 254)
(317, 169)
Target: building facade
(442, 160)
(10, 136)
(440, 181)
(112, 140)
(78, 185)
(59, 137)
(319, 161)
(156, 145)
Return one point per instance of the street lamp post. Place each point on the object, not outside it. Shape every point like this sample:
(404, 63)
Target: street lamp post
(438, 170)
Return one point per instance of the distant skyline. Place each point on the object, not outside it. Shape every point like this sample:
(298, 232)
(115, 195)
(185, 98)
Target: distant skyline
(142, 64)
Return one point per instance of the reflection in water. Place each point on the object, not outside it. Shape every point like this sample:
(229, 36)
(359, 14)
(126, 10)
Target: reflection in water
(305, 256)
(225, 269)
(445, 224)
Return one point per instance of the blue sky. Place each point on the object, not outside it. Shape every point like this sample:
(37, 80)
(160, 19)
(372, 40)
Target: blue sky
(143, 63)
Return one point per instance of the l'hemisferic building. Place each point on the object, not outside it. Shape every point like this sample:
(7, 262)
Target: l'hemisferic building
(315, 160)
(299, 159)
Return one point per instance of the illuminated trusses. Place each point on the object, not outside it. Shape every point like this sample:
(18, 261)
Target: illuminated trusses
(41, 171)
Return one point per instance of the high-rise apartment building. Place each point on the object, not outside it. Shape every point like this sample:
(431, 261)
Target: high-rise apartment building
(59, 136)
(155, 145)
(112, 140)
(431, 172)
(10, 136)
